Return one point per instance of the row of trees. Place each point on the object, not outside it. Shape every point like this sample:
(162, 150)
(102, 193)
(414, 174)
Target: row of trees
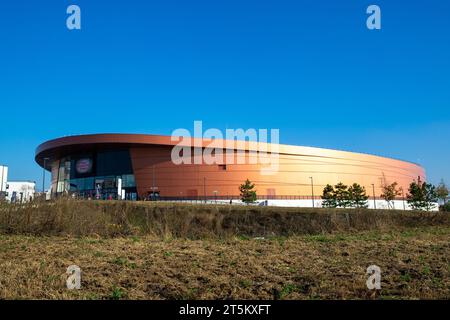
(344, 197)
(421, 195)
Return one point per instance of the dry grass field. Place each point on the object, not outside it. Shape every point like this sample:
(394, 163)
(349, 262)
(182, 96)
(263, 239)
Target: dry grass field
(165, 251)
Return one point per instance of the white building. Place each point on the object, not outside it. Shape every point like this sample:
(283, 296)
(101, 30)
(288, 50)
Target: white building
(20, 191)
(3, 181)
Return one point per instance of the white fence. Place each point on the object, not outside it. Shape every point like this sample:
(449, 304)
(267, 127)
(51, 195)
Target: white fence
(304, 203)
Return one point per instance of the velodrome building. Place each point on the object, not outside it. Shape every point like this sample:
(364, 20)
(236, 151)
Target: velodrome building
(137, 166)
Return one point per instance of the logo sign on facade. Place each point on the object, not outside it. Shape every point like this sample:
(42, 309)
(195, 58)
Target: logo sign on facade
(83, 166)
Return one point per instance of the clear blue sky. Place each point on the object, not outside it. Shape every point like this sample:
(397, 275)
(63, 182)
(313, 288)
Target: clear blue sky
(310, 68)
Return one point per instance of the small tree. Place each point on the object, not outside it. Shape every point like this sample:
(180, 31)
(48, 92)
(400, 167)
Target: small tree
(442, 191)
(357, 196)
(421, 195)
(328, 197)
(248, 194)
(342, 195)
(390, 191)
(445, 207)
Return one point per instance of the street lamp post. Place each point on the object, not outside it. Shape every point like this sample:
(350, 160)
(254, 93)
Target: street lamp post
(374, 202)
(403, 199)
(204, 187)
(153, 177)
(312, 190)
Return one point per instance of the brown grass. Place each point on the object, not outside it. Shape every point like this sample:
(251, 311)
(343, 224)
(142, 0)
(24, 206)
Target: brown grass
(414, 265)
(166, 251)
(168, 220)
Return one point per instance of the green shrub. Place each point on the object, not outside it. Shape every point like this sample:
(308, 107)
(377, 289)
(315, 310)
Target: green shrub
(445, 207)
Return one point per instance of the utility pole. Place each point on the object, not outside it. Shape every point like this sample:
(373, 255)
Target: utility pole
(3, 174)
(153, 179)
(374, 202)
(204, 187)
(403, 199)
(312, 190)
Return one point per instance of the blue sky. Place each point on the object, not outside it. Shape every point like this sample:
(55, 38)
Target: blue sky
(310, 68)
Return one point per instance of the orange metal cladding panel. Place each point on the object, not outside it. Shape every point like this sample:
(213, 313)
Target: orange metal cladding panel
(296, 165)
(153, 165)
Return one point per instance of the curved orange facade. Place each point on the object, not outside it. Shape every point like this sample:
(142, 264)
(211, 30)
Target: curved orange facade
(299, 169)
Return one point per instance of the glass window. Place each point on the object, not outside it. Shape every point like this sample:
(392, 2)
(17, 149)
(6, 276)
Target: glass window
(115, 162)
(81, 173)
(74, 185)
(128, 181)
